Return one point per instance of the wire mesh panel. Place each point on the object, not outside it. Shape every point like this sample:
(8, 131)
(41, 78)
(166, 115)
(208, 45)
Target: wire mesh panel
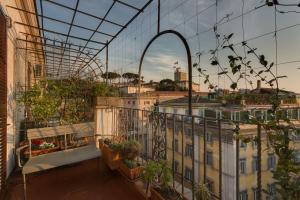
(3, 100)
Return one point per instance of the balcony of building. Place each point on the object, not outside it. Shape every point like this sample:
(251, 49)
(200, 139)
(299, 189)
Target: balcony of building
(68, 111)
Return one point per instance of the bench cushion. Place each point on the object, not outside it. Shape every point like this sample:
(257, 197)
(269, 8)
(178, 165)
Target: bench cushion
(60, 158)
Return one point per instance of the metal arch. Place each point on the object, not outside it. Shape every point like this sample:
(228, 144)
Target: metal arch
(189, 58)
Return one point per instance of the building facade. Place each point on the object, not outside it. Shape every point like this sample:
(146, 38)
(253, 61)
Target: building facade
(207, 160)
(20, 68)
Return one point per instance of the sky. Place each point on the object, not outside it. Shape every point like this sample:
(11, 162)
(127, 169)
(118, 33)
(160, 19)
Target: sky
(194, 19)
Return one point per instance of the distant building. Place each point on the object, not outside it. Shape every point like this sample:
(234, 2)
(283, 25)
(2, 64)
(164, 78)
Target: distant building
(133, 89)
(181, 79)
(148, 100)
(213, 109)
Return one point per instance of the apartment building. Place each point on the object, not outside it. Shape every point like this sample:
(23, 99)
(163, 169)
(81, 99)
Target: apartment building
(209, 151)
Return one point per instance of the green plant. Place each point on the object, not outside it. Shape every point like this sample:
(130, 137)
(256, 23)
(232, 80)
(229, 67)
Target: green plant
(115, 146)
(202, 192)
(150, 173)
(130, 149)
(158, 174)
(165, 176)
(131, 164)
(42, 105)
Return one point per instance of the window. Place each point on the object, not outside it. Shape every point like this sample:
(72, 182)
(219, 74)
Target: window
(128, 102)
(133, 102)
(176, 166)
(296, 135)
(254, 164)
(188, 174)
(271, 161)
(146, 102)
(243, 144)
(209, 158)
(201, 113)
(188, 132)
(271, 190)
(243, 166)
(209, 138)
(37, 71)
(254, 144)
(189, 150)
(210, 185)
(243, 195)
(177, 128)
(255, 195)
(175, 111)
(176, 145)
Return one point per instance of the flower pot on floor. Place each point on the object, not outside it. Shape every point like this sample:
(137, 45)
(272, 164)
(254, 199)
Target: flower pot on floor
(130, 173)
(111, 157)
(156, 195)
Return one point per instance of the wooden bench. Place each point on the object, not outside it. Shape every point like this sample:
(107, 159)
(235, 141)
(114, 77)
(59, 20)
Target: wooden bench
(62, 157)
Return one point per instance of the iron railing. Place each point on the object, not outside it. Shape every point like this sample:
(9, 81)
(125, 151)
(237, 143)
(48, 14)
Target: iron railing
(199, 150)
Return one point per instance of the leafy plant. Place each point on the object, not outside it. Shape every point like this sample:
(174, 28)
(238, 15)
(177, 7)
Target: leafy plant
(115, 146)
(202, 192)
(131, 164)
(158, 174)
(130, 149)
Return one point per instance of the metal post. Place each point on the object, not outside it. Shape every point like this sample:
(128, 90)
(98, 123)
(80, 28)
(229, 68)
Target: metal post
(220, 157)
(158, 16)
(182, 155)
(173, 151)
(193, 158)
(237, 172)
(106, 63)
(166, 140)
(204, 150)
(259, 187)
(24, 181)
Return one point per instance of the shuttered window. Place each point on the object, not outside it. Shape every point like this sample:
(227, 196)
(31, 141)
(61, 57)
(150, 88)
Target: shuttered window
(3, 100)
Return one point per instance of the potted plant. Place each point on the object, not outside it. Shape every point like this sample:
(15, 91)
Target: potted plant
(158, 176)
(39, 147)
(129, 166)
(111, 153)
(202, 192)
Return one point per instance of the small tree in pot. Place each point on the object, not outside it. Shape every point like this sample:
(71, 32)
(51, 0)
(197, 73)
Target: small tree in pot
(129, 166)
(158, 176)
(111, 153)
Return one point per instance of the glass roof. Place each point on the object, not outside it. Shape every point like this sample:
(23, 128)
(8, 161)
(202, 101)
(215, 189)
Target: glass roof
(73, 33)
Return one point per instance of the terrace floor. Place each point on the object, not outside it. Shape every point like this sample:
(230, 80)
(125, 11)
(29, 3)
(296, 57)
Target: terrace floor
(82, 181)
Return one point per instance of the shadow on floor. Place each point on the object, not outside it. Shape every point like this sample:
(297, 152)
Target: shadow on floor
(83, 181)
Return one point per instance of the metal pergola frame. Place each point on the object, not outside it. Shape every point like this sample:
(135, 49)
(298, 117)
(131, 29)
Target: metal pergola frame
(84, 56)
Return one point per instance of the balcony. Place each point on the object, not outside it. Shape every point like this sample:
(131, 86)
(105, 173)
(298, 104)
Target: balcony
(195, 152)
(63, 136)
(85, 180)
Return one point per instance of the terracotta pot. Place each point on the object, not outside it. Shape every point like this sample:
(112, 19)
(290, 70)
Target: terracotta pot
(131, 174)
(155, 195)
(110, 157)
(101, 143)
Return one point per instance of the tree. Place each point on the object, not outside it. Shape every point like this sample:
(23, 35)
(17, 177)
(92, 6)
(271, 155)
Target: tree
(130, 76)
(167, 85)
(110, 76)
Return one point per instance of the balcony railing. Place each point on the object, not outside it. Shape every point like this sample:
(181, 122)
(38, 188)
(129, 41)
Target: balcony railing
(198, 150)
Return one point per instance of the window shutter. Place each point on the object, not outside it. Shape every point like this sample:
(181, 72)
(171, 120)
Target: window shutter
(3, 100)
